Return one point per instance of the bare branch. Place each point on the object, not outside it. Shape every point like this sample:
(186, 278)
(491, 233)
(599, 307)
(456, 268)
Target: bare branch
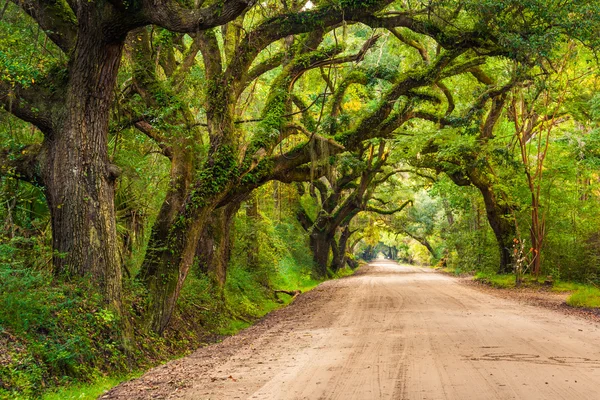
(155, 135)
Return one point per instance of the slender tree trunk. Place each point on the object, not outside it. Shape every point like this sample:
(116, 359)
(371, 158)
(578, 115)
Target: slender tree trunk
(77, 174)
(537, 235)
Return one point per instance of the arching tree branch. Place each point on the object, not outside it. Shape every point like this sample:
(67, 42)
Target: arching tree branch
(169, 14)
(388, 212)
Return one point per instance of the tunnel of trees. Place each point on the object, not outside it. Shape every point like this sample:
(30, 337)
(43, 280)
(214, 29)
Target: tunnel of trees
(169, 167)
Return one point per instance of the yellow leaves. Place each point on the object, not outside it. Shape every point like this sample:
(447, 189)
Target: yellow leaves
(353, 105)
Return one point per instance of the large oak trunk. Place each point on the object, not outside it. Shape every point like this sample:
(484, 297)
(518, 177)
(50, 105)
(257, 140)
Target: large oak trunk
(320, 243)
(77, 174)
(498, 216)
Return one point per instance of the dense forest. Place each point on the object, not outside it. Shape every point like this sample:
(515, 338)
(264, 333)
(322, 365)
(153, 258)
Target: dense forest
(171, 170)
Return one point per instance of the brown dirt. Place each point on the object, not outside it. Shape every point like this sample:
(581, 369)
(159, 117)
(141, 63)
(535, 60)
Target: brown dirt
(391, 332)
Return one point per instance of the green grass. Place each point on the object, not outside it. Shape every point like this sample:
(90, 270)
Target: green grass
(562, 286)
(57, 341)
(88, 391)
(344, 272)
(495, 280)
(582, 295)
(52, 333)
(586, 297)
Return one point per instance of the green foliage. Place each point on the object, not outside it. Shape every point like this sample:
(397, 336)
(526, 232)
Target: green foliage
(52, 332)
(88, 391)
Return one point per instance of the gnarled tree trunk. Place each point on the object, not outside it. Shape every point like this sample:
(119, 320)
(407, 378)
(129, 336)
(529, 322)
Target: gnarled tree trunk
(320, 244)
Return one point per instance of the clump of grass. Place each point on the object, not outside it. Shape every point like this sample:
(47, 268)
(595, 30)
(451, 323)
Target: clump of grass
(586, 297)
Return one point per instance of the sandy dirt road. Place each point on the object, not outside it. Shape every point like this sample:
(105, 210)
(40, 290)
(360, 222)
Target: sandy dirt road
(391, 332)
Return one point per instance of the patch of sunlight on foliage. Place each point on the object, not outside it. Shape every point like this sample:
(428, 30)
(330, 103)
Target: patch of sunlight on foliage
(291, 276)
(587, 297)
(88, 391)
(419, 253)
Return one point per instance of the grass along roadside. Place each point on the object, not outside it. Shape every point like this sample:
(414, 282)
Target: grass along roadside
(246, 303)
(89, 391)
(581, 295)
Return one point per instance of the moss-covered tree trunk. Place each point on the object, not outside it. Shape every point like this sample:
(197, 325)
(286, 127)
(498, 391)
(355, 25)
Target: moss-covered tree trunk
(214, 248)
(173, 245)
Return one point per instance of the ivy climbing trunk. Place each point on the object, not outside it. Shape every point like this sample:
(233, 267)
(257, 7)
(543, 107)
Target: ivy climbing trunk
(75, 167)
(173, 242)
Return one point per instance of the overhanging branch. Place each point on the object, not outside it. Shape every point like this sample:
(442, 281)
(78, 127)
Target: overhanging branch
(388, 212)
(169, 14)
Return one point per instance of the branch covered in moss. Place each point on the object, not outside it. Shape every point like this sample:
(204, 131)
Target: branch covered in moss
(388, 212)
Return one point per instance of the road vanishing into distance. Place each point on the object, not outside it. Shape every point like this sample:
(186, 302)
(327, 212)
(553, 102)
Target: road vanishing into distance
(391, 332)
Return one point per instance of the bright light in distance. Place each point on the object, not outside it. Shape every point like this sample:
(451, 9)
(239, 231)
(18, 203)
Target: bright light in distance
(309, 4)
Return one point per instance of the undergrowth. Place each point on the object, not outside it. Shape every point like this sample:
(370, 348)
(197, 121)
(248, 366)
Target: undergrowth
(58, 341)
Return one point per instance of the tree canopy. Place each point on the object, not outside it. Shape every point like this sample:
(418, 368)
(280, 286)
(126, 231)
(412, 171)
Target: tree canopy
(142, 143)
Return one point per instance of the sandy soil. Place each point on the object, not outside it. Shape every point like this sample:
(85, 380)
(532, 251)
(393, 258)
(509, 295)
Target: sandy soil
(391, 332)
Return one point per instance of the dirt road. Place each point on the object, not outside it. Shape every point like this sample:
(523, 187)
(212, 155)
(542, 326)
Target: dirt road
(391, 332)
